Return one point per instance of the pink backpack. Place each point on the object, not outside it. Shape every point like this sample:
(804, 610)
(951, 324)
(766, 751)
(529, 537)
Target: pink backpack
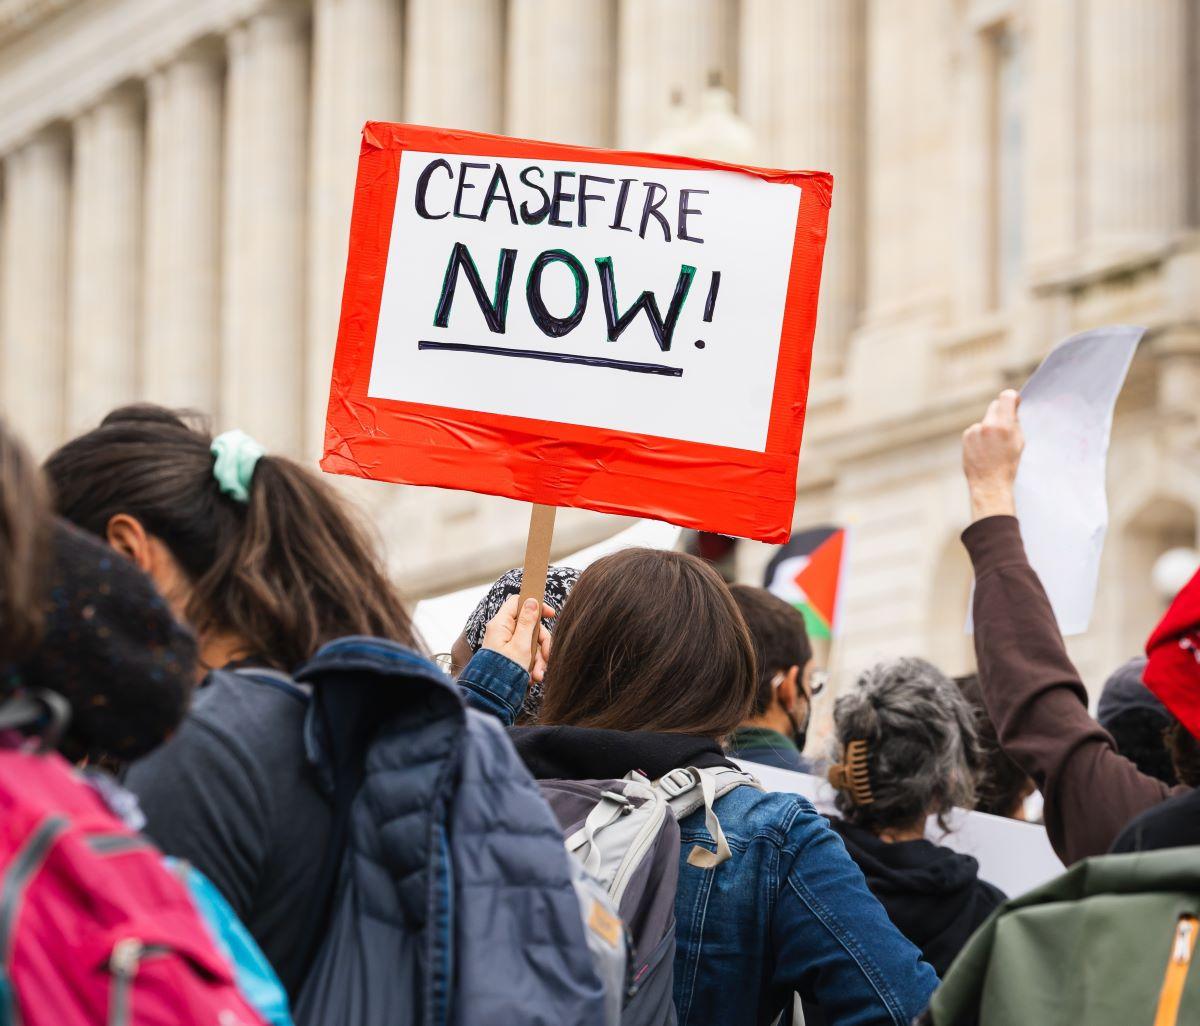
(94, 930)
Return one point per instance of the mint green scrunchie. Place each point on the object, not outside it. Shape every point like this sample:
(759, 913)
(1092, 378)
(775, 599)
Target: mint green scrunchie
(236, 455)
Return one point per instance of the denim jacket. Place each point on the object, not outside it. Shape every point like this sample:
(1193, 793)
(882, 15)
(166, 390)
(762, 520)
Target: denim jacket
(789, 913)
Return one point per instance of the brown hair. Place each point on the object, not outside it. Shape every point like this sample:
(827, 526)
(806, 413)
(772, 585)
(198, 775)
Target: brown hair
(779, 635)
(287, 571)
(1000, 784)
(650, 640)
(1185, 753)
(24, 547)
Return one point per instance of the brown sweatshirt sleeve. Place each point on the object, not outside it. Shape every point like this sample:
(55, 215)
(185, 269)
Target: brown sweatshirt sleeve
(1039, 705)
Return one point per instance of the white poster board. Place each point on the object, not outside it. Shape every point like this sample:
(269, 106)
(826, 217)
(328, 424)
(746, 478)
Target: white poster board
(714, 381)
(1066, 415)
(1014, 856)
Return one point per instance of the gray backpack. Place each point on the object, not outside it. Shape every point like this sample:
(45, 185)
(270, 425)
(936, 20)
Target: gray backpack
(624, 836)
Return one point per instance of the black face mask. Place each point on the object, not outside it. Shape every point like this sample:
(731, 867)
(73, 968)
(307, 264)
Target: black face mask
(799, 730)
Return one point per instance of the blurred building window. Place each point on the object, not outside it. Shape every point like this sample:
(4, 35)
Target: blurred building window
(1008, 163)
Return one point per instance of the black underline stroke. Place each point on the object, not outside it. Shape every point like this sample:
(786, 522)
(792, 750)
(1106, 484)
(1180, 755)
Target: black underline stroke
(539, 354)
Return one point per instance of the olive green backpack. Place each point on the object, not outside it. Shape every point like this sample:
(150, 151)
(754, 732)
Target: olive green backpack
(1108, 943)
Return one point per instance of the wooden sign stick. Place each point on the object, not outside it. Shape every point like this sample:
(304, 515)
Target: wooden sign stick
(537, 562)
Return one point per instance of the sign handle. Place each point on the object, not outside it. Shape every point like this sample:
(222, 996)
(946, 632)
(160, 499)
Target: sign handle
(537, 561)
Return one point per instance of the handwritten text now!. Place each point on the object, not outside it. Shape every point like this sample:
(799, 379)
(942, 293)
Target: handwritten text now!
(476, 190)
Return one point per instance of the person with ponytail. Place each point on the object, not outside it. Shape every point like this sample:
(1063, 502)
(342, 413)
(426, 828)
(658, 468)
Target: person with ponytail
(228, 532)
(264, 562)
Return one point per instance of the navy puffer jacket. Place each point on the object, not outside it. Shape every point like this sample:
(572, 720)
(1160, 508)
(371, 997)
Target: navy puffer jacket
(453, 903)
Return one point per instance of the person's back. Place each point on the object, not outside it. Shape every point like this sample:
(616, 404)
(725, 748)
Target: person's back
(265, 564)
(787, 911)
(787, 900)
(94, 918)
(1174, 823)
(1108, 943)
(932, 893)
(233, 789)
(906, 746)
(786, 859)
(455, 901)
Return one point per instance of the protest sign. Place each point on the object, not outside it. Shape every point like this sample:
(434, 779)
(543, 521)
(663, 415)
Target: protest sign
(1012, 855)
(1066, 416)
(622, 332)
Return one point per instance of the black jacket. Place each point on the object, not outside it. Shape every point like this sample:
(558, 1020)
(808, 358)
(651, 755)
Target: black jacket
(588, 753)
(933, 895)
(233, 793)
(1174, 823)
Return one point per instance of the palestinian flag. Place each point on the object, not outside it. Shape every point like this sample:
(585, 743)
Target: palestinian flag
(806, 572)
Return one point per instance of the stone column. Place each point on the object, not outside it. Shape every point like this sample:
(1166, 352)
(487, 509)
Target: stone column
(668, 49)
(104, 298)
(802, 91)
(455, 64)
(357, 51)
(181, 312)
(34, 302)
(562, 70)
(1052, 186)
(266, 162)
(909, 110)
(1137, 96)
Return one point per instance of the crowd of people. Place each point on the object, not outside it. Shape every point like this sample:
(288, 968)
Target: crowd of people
(237, 789)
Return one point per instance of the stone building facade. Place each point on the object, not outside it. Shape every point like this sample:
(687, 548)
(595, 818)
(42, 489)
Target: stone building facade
(177, 176)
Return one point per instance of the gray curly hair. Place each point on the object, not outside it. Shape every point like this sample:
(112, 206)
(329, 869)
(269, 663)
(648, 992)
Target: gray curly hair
(922, 750)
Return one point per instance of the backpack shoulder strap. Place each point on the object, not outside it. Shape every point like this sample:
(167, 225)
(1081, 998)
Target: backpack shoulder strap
(690, 788)
(46, 712)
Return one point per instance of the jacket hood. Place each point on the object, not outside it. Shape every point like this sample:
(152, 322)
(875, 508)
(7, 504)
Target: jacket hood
(916, 867)
(932, 894)
(587, 753)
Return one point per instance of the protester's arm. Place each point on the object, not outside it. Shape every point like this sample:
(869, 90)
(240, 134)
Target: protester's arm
(495, 685)
(1031, 689)
(834, 943)
(203, 803)
(495, 680)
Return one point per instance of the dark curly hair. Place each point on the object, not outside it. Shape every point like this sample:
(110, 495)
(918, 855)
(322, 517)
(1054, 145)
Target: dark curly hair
(1000, 784)
(1185, 754)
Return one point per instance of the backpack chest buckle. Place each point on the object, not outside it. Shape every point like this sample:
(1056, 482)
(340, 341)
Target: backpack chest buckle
(677, 782)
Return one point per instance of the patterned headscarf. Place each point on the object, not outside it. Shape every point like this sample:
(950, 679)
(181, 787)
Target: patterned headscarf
(559, 582)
